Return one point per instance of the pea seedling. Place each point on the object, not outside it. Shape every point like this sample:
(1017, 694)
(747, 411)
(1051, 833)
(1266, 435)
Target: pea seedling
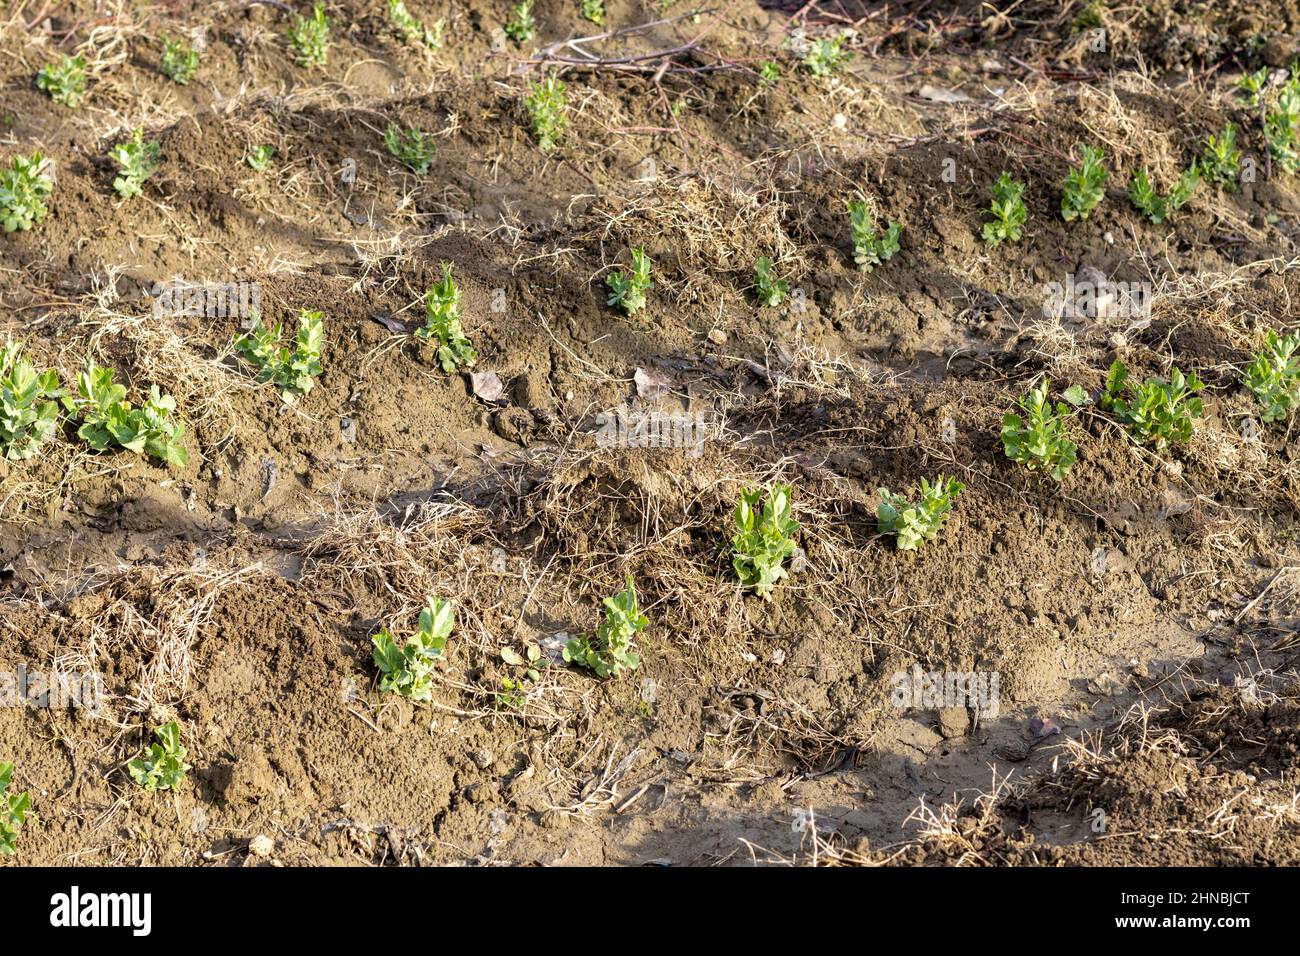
(546, 103)
(442, 324)
(1084, 186)
(408, 670)
(1008, 209)
(610, 651)
(137, 161)
(1156, 412)
(29, 404)
(1221, 159)
(771, 290)
(870, 250)
(309, 38)
(826, 55)
(1158, 208)
(24, 187)
(594, 11)
(522, 27)
(1282, 128)
(293, 372)
(1039, 440)
(413, 148)
(65, 81)
(164, 766)
(412, 30)
(14, 810)
(764, 538)
(259, 158)
(108, 419)
(1273, 377)
(628, 291)
(179, 61)
(914, 524)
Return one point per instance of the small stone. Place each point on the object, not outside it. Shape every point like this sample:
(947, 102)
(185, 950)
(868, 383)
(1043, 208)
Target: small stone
(717, 337)
(261, 845)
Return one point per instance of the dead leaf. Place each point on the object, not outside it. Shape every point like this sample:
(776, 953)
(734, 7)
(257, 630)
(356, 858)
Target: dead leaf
(487, 385)
(937, 94)
(1043, 727)
(650, 384)
(388, 322)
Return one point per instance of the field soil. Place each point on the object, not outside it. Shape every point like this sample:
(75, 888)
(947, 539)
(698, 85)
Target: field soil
(1142, 616)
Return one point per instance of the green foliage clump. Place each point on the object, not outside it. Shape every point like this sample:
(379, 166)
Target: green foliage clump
(408, 669)
(108, 419)
(24, 187)
(292, 371)
(309, 38)
(442, 324)
(546, 104)
(522, 27)
(771, 289)
(259, 158)
(914, 524)
(164, 767)
(610, 650)
(1008, 209)
(29, 404)
(1040, 439)
(826, 55)
(764, 538)
(136, 161)
(1274, 376)
(179, 61)
(1158, 208)
(15, 808)
(628, 290)
(1221, 159)
(1085, 185)
(412, 29)
(1282, 127)
(413, 148)
(1158, 412)
(593, 11)
(869, 249)
(65, 81)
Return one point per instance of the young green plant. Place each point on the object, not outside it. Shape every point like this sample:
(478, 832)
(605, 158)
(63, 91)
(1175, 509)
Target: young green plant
(408, 669)
(546, 104)
(1084, 186)
(65, 80)
(826, 55)
(1156, 412)
(1221, 159)
(514, 692)
(593, 11)
(764, 538)
(292, 371)
(869, 249)
(309, 38)
(179, 61)
(522, 27)
(1040, 439)
(771, 289)
(413, 148)
(610, 650)
(412, 29)
(24, 187)
(1008, 209)
(136, 160)
(627, 291)
(259, 158)
(164, 766)
(109, 420)
(15, 808)
(1274, 376)
(442, 327)
(1151, 204)
(914, 524)
(29, 404)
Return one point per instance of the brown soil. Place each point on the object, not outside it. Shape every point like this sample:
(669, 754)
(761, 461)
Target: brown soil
(1147, 606)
